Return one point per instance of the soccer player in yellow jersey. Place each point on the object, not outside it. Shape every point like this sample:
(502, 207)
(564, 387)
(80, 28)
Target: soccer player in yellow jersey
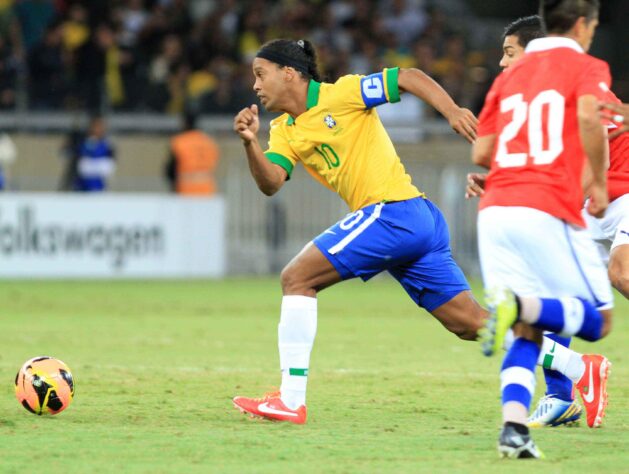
(335, 132)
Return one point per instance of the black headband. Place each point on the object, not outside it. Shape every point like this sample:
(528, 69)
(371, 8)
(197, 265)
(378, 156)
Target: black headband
(283, 60)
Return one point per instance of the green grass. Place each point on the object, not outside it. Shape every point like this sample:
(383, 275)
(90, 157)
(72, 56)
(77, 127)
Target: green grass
(156, 364)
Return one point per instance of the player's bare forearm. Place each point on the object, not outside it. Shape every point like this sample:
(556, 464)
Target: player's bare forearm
(595, 146)
(421, 85)
(593, 138)
(586, 177)
(482, 150)
(268, 176)
(424, 87)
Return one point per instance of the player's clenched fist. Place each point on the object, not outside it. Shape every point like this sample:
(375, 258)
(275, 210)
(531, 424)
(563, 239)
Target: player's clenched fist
(618, 113)
(247, 124)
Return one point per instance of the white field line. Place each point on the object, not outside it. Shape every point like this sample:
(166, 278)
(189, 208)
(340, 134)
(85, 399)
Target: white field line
(336, 371)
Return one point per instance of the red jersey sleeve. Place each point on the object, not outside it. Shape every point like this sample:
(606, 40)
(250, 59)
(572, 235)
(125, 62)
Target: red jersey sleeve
(595, 80)
(489, 114)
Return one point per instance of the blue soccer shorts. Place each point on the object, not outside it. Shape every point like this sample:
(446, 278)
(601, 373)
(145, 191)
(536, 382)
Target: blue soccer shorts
(409, 239)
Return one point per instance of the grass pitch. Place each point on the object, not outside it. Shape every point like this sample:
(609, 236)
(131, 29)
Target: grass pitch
(156, 364)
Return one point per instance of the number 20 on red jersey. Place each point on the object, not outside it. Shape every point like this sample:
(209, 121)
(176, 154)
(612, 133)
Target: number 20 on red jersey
(530, 115)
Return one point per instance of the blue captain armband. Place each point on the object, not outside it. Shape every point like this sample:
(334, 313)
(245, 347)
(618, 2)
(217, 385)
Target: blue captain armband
(380, 88)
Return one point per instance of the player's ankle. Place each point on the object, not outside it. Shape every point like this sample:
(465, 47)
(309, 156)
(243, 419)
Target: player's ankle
(518, 427)
(293, 399)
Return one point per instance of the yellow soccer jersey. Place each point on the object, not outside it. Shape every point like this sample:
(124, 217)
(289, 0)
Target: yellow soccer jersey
(342, 142)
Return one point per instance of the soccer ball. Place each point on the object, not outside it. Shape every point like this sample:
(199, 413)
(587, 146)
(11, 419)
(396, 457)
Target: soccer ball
(44, 386)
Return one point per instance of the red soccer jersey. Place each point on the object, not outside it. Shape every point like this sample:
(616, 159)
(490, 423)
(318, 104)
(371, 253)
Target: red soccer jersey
(532, 109)
(618, 174)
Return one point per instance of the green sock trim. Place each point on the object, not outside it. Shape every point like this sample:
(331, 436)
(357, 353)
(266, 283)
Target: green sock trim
(300, 372)
(548, 361)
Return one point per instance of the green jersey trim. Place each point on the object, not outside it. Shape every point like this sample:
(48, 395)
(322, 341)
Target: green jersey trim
(392, 84)
(313, 94)
(312, 99)
(280, 160)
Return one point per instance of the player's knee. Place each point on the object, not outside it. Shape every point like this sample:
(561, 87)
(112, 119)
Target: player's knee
(467, 332)
(607, 322)
(287, 278)
(291, 281)
(619, 277)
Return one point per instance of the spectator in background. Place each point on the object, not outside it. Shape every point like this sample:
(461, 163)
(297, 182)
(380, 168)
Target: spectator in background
(71, 153)
(225, 96)
(366, 57)
(47, 70)
(10, 30)
(97, 158)
(178, 16)
(122, 65)
(8, 75)
(76, 30)
(450, 68)
(193, 159)
(133, 18)
(35, 16)
(200, 83)
(161, 69)
(405, 20)
(98, 70)
(8, 154)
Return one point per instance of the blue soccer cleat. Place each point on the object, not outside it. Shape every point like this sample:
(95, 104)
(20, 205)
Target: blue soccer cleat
(552, 411)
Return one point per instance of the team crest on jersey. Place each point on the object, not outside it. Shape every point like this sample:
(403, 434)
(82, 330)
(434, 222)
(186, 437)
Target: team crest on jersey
(329, 121)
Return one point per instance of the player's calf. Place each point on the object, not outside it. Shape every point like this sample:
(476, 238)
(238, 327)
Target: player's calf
(565, 316)
(462, 316)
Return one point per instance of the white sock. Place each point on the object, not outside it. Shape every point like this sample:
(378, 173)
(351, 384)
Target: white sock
(296, 333)
(530, 309)
(556, 357)
(562, 359)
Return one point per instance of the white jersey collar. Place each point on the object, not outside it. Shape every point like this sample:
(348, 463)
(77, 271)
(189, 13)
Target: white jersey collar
(552, 42)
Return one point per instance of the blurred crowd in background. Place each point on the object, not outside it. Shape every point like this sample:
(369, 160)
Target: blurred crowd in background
(175, 55)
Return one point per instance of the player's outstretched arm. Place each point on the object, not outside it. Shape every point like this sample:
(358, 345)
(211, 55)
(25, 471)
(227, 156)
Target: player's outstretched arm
(618, 113)
(595, 144)
(268, 176)
(421, 85)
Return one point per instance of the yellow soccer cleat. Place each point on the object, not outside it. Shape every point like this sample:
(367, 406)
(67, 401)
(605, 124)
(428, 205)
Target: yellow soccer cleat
(503, 313)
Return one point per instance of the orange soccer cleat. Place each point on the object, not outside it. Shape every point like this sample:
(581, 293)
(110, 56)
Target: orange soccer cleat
(270, 407)
(593, 388)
